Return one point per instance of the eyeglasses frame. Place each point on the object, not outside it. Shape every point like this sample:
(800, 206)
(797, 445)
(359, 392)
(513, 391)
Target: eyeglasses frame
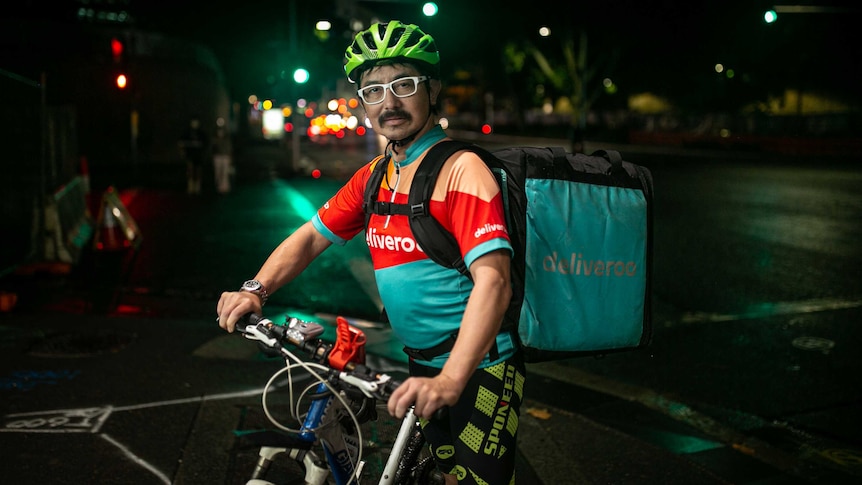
(388, 86)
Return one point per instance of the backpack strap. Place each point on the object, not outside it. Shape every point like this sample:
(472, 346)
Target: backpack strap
(370, 204)
(438, 243)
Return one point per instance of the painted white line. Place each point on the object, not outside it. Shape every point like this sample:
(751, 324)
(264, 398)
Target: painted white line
(212, 397)
(135, 458)
(774, 309)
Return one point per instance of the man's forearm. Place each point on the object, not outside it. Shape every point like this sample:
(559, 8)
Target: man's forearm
(481, 322)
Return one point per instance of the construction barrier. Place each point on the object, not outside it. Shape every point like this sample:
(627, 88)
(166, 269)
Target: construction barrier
(67, 223)
(117, 230)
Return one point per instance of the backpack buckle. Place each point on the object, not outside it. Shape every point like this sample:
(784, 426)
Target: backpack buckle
(418, 210)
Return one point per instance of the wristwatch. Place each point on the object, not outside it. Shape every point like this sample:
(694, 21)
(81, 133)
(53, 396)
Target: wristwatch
(255, 286)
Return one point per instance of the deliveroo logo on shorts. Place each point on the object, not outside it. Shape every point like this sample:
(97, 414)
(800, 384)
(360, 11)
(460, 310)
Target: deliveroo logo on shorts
(576, 264)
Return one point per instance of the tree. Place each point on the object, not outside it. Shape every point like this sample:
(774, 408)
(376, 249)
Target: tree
(570, 73)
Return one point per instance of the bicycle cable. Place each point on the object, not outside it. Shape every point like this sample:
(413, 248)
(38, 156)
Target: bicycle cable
(308, 367)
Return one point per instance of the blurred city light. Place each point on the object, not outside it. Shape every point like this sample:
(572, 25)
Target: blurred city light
(770, 16)
(301, 75)
(122, 81)
(429, 9)
(116, 49)
(273, 124)
(544, 31)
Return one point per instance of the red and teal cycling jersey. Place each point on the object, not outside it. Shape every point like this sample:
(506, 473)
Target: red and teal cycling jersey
(424, 300)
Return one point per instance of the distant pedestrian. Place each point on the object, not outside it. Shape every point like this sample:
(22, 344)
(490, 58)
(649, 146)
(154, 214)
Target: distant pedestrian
(221, 148)
(193, 148)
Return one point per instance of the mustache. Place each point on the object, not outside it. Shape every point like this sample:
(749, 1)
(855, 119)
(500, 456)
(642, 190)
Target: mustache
(395, 113)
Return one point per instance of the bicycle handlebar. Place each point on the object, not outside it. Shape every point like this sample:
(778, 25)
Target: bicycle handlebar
(303, 336)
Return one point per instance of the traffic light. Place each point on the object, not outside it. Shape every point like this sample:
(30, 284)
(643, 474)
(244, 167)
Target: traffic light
(117, 49)
(301, 75)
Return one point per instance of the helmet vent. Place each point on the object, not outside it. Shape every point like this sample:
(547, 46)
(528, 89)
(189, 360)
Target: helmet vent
(396, 36)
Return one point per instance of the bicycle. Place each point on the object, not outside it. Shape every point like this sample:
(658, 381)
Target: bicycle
(344, 396)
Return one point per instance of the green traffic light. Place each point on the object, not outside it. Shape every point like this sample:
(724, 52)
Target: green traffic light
(301, 75)
(770, 16)
(429, 9)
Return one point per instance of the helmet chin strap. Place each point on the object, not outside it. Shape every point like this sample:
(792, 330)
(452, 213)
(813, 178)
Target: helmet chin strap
(394, 144)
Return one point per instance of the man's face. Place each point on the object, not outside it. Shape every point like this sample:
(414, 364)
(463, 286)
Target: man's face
(394, 117)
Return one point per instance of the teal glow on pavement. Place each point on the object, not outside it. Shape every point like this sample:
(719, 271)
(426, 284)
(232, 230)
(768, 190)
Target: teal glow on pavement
(293, 198)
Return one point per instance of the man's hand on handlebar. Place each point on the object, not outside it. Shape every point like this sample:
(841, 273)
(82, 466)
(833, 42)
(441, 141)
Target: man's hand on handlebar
(427, 394)
(233, 305)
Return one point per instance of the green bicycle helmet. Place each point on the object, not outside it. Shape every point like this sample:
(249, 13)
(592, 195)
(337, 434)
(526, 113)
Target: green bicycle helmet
(390, 41)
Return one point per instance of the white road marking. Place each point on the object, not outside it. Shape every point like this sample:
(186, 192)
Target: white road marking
(135, 458)
(774, 309)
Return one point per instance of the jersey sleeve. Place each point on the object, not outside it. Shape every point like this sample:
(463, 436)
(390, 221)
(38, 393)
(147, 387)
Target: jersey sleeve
(474, 208)
(342, 217)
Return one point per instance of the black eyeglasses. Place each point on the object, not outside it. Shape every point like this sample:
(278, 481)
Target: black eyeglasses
(402, 88)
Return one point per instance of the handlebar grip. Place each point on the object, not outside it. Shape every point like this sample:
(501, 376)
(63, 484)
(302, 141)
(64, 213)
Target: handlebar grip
(389, 388)
(247, 320)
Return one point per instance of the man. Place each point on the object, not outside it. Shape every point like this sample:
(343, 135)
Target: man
(193, 148)
(459, 357)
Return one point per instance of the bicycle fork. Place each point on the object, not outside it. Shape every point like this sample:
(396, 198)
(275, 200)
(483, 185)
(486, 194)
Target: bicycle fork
(316, 470)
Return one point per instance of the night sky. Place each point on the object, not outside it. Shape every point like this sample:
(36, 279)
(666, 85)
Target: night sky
(656, 45)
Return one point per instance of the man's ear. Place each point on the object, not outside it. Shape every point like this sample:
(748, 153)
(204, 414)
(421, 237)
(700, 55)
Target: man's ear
(435, 86)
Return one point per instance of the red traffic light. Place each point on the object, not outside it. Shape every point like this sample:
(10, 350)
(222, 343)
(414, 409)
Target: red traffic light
(116, 48)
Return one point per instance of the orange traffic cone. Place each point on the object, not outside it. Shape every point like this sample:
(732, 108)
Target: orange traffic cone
(116, 229)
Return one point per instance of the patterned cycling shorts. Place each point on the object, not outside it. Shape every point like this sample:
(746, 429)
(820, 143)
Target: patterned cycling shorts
(477, 440)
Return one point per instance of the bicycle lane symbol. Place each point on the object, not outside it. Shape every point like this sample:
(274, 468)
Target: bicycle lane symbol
(90, 420)
(87, 420)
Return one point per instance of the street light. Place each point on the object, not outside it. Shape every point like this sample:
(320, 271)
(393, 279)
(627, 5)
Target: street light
(770, 16)
(429, 9)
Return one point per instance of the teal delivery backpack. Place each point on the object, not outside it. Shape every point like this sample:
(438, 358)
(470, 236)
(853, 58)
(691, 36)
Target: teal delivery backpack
(581, 229)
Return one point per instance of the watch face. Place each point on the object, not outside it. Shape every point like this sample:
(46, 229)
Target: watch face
(252, 285)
